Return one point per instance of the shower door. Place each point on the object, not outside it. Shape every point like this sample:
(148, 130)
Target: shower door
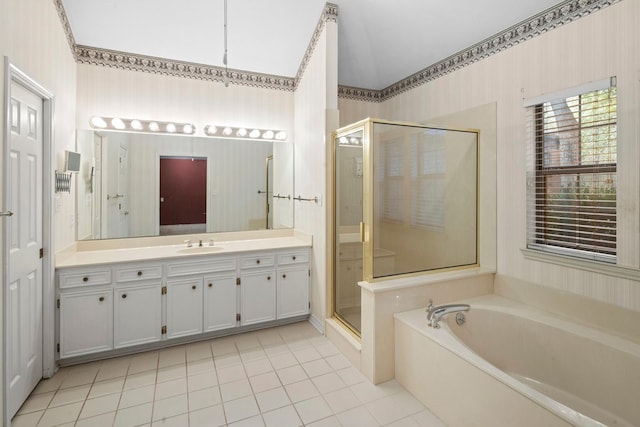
(348, 218)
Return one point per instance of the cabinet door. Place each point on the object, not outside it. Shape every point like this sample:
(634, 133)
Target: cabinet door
(257, 297)
(86, 322)
(137, 314)
(220, 307)
(184, 307)
(292, 292)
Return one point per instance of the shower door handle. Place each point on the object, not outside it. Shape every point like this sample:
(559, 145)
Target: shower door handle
(362, 232)
(7, 213)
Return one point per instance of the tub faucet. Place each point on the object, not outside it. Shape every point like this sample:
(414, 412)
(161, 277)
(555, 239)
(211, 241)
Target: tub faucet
(434, 314)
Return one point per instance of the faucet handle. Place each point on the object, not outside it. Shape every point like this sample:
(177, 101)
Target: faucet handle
(210, 242)
(188, 242)
(430, 307)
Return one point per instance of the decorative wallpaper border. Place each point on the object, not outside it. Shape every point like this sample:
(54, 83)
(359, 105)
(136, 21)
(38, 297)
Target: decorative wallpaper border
(329, 14)
(554, 17)
(561, 14)
(155, 65)
(150, 64)
(65, 26)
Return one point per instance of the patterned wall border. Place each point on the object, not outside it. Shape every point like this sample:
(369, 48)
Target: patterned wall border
(155, 65)
(329, 14)
(65, 26)
(554, 17)
(150, 64)
(561, 14)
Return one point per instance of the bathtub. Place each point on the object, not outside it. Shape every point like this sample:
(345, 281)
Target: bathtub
(510, 364)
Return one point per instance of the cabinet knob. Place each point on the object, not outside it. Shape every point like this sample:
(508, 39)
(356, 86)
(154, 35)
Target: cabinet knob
(268, 277)
(193, 287)
(257, 261)
(124, 296)
(139, 273)
(211, 285)
(294, 257)
(101, 299)
(284, 276)
(85, 279)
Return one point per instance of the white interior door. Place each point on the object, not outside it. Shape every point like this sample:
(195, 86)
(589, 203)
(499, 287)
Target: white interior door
(24, 189)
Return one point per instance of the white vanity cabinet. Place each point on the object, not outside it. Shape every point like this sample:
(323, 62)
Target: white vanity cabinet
(184, 307)
(137, 314)
(220, 296)
(86, 311)
(257, 296)
(137, 311)
(110, 307)
(201, 295)
(86, 321)
(292, 284)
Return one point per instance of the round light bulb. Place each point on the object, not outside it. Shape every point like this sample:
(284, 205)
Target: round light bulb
(281, 136)
(343, 140)
(98, 122)
(268, 134)
(154, 127)
(254, 133)
(136, 125)
(211, 130)
(171, 128)
(188, 129)
(117, 123)
(227, 131)
(242, 132)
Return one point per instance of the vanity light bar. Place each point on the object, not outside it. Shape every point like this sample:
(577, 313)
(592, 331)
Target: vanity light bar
(135, 125)
(244, 133)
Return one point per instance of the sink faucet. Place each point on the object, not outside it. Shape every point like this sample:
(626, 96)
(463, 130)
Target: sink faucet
(434, 314)
(200, 244)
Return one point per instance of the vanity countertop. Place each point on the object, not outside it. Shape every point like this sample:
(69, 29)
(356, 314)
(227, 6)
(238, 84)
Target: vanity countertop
(82, 258)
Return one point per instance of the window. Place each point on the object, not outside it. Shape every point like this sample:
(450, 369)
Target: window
(429, 179)
(572, 195)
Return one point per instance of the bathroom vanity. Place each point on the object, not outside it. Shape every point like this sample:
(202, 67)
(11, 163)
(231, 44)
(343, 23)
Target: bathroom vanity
(122, 300)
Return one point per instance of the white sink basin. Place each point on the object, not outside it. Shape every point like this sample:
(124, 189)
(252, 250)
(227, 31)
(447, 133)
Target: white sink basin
(200, 250)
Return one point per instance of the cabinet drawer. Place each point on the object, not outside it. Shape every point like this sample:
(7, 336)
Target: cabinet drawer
(210, 265)
(293, 258)
(84, 278)
(141, 272)
(254, 261)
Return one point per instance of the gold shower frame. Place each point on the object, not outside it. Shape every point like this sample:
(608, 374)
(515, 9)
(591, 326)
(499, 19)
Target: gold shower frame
(366, 126)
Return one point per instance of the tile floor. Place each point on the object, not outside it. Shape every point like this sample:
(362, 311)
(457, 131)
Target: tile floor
(285, 376)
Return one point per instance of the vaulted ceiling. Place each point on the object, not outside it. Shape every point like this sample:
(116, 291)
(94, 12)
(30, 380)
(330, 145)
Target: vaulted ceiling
(380, 42)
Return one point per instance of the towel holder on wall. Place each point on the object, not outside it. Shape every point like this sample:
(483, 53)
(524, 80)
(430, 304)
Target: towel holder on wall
(63, 182)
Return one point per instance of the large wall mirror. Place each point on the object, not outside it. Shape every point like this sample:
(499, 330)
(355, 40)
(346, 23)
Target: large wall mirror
(134, 185)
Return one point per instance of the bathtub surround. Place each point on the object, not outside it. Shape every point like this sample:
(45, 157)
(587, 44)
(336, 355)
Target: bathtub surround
(514, 364)
(615, 320)
(381, 300)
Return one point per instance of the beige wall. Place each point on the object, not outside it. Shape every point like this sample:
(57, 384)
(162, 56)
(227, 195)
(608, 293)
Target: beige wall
(32, 38)
(315, 118)
(597, 46)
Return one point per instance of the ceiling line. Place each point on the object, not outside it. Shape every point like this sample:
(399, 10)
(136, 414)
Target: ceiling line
(556, 16)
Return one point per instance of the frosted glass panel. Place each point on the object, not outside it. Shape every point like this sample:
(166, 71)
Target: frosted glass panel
(424, 199)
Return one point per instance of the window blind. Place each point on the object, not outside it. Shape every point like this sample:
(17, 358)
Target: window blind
(572, 179)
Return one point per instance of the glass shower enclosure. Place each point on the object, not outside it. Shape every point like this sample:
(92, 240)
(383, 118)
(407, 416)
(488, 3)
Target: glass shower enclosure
(405, 199)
